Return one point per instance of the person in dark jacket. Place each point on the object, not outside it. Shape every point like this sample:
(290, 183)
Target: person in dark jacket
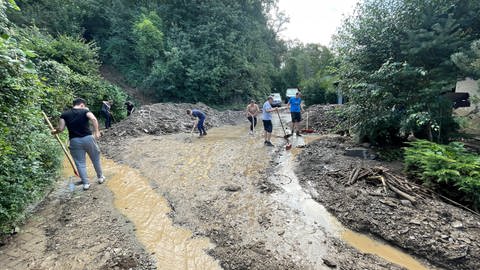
(106, 106)
(201, 120)
(130, 107)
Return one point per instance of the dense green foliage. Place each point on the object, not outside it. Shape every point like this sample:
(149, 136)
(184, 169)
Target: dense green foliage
(212, 51)
(446, 166)
(38, 72)
(395, 63)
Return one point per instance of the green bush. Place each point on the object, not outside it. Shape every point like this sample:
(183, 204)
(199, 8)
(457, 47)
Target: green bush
(449, 165)
(28, 155)
(39, 72)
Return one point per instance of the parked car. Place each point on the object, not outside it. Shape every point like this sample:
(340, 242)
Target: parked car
(291, 92)
(277, 100)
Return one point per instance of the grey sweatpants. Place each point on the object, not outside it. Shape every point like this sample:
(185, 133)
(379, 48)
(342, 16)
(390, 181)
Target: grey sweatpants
(78, 148)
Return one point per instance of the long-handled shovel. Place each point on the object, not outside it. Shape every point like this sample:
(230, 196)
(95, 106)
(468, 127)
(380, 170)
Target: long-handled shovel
(61, 144)
(189, 138)
(289, 145)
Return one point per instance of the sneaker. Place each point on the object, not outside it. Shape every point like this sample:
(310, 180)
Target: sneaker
(86, 186)
(267, 143)
(205, 134)
(101, 179)
(250, 132)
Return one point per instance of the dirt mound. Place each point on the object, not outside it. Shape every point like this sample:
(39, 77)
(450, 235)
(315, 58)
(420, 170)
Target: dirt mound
(443, 234)
(167, 118)
(322, 118)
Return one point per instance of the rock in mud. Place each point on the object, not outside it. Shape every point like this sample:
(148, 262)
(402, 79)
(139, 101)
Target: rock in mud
(329, 262)
(233, 188)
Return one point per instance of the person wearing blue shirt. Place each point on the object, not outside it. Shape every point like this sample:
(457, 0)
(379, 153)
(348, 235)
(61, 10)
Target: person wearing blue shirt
(201, 120)
(267, 120)
(296, 109)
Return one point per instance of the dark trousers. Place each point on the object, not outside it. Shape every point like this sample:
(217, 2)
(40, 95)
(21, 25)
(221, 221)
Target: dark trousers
(200, 126)
(253, 122)
(108, 119)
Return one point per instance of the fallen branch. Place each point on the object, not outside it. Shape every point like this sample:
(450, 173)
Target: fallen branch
(403, 194)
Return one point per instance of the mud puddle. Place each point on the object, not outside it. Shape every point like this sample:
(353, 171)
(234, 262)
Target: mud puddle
(172, 247)
(315, 215)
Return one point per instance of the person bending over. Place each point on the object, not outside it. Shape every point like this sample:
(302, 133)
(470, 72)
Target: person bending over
(201, 120)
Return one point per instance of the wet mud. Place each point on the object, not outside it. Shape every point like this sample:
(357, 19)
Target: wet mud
(177, 201)
(446, 236)
(76, 230)
(227, 187)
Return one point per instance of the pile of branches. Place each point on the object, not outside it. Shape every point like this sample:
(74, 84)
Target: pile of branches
(396, 183)
(400, 185)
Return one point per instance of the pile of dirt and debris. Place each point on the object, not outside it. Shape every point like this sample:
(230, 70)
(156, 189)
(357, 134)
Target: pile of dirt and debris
(322, 118)
(373, 197)
(167, 118)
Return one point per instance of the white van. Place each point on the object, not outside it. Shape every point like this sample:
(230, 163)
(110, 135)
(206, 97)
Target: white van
(291, 92)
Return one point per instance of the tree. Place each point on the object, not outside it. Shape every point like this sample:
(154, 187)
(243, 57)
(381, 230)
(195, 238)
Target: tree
(395, 64)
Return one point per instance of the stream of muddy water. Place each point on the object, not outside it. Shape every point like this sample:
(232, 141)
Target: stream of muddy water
(173, 247)
(316, 215)
(193, 175)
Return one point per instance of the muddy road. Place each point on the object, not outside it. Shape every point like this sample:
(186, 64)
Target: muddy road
(224, 201)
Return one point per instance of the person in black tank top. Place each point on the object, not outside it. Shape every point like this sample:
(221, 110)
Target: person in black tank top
(82, 142)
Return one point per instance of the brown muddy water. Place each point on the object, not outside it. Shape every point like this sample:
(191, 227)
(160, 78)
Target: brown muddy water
(316, 214)
(194, 173)
(172, 247)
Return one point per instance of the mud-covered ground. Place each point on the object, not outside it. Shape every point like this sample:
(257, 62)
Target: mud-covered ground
(445, 235)
(220, 187)
(79, 230)
(226, 201)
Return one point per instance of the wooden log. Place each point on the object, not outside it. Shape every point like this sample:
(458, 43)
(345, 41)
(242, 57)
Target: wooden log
(354, 177)
(384, 183)
(403, 194)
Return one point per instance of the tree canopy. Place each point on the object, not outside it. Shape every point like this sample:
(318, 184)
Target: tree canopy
(395, 64)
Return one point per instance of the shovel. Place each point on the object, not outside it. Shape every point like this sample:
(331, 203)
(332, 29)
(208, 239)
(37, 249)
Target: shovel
(189, 138)
(63, 146)
(307, 130)
(289, 145)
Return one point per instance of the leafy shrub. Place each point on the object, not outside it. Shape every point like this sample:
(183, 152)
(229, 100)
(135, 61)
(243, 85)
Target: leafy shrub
(28, 158)
(450, 165)
(39, 72)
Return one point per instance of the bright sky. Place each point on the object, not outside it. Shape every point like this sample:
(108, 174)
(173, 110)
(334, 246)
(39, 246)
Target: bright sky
(314, 21)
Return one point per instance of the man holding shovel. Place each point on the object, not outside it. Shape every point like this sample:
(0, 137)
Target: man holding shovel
(267, 120)
(296, 109)
(252, 111)
(201, 120)
(81, 139)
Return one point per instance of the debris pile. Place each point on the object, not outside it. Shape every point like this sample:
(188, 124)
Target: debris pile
(167, 118)
(390, 182)
(322, 118)
(375, 197)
